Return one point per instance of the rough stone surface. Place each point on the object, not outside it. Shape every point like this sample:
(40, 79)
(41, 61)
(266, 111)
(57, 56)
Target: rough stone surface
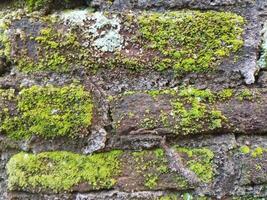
(142, 112)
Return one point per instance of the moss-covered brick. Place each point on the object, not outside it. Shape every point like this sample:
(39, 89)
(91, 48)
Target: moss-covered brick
(184, 110)
(61, 171)
(141, 170)
(181, 41)
(50, 112)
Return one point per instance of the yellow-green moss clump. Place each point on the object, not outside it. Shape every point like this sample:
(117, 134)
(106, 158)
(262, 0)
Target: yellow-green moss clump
(199, 160)
(34, 5)
(37, 4)
(191, 41)
(153, 165)
(56, 51)
(193, 111)
(61, 171)
(50, 112)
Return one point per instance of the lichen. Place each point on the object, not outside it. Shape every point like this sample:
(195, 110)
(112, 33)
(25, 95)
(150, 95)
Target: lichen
(263, 58)
(50, 112)
(107, 40)
(61, 171)
(74, 17)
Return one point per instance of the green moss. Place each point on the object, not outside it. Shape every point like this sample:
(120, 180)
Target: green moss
(244, 149)
(151, 181)
(193, 111)
(187, 196)
(6, 97)
(156, 93)
(50, 112)
(37, 4)
(60, 171)
(199, 160)
(226, 94)
(258, 152)
(34, 5)
(191, 41)
(56, 51)
(5, 48)
(255, 153)
(152, 166)
(168, 197)
(245, 94)
(7, 94)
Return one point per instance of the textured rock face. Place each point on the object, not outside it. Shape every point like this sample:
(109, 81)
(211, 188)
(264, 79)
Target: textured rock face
(144, 99)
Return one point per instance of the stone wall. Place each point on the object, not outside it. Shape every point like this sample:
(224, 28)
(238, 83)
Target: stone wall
(133, 100)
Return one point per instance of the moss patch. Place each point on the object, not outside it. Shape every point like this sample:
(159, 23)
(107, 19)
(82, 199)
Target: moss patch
(191, 41)
(254, 152)
(199, 160)
(5, 48)
(61, 171)
(56, 51)
(7, 97)
(50, 112)
(154, 166)
(244, 149)
(37, 4)
(48, 5)
(193, 111)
